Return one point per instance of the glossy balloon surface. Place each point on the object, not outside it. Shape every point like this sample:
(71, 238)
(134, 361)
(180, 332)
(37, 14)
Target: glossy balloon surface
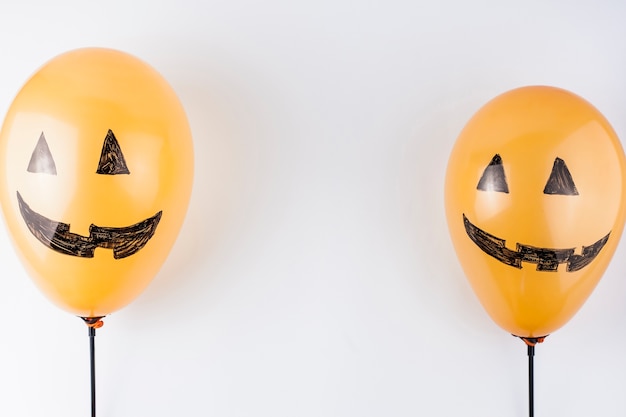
(96, 166)
(534, 198)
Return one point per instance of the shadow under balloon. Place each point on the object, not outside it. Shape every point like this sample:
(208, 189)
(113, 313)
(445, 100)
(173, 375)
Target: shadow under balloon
(225, 119)
(449, 294)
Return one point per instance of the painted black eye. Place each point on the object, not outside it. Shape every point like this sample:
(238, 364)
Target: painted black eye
(560, 181)
(41, 161)
(493, 178)
(111, 159)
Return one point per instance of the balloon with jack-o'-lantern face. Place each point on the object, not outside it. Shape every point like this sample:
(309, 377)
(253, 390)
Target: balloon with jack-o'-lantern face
(96, 166)
(534, 198)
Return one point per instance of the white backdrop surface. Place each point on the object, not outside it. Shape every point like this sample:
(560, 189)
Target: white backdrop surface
(314, 275)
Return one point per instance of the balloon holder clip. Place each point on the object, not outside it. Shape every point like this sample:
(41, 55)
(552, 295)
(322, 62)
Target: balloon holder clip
(93, 322)
(532, 341)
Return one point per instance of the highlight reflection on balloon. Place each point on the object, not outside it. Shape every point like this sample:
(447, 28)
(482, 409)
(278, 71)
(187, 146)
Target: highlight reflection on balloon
(534, 199)
(96, 165)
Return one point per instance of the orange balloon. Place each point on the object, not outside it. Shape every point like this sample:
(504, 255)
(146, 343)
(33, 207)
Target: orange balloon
(534, 198)
(96, 165)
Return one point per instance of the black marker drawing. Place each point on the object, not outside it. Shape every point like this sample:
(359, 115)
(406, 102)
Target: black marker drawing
(41, 160)
(112, 160)
(560, 181)
(493, 178)
(125, 241)
(546, 259)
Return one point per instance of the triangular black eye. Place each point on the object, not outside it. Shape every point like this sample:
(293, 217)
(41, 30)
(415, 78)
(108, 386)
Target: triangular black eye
(111, 159)
(41, 160)
(493, 178)
(560, 181)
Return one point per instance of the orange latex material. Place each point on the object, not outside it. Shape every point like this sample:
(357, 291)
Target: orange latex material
(96, 169)
(534, 198)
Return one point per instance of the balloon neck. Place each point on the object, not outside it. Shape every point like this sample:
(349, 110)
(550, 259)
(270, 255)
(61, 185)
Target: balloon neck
(532, 341)
(93, 322)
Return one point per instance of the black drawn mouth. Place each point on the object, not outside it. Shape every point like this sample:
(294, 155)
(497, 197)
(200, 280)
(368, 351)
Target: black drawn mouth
(125, 241)
(547, 259)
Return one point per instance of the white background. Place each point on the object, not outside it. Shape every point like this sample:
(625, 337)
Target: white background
(314, 275)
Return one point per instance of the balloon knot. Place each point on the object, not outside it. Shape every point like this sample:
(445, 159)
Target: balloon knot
(532, 341)
(93, 322)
